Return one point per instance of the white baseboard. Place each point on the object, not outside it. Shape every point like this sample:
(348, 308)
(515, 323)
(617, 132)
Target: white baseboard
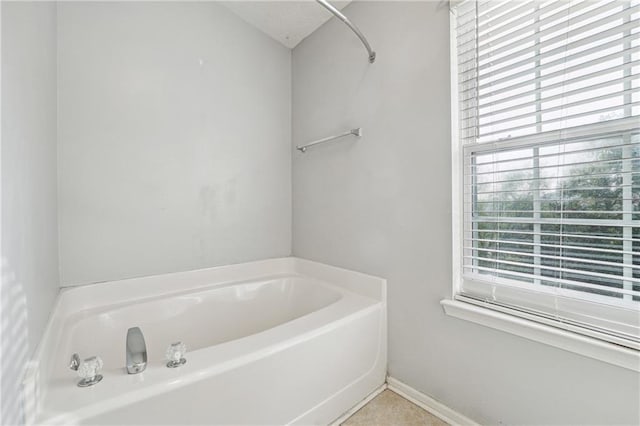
(436, 408)
(358, 406)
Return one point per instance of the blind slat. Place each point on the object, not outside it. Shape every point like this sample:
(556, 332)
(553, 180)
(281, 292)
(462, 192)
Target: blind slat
(501, 20)
(535, 32)
(473, 190)
(568, 94)
(555, 200)
(540, 80)
(613, 266)
(627, 67)
(560, 119)
(617, 145)
(540, 47)
(567, 271)
(564, 221)
(563, 235)
(555, 280)
(566, 246)
(561, 107)
(488, 53)
(559, 61)
(613, 128)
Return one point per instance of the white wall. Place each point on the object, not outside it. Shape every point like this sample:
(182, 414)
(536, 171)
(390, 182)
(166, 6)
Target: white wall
(382, 205)
(174, 140)
(29, 210)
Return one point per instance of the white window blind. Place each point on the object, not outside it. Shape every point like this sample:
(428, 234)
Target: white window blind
(549, 121)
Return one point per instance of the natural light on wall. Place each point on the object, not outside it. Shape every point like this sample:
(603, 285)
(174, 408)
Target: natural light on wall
(548, 121)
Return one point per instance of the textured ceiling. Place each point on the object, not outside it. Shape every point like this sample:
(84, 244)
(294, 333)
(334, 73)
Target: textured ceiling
(288, 22)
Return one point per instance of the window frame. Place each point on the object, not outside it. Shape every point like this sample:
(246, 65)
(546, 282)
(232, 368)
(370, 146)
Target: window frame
(513, 321)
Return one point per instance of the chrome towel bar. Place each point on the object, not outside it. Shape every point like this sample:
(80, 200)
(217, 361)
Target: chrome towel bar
(355, 132)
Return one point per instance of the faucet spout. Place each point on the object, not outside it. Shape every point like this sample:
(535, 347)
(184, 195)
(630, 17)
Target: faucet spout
(136, 351)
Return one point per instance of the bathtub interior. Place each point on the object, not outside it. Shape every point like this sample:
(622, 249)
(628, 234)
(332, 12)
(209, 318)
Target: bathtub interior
(200, 319)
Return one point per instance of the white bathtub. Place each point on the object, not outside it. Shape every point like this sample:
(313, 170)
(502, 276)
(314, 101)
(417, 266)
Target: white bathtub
(271, 342)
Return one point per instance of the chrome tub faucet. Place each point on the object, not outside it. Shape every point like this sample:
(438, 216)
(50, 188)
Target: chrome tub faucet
(136, 351)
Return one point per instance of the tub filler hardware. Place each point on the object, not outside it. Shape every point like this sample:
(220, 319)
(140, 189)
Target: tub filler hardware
(88, 370)
(175, 354)
(136, 351)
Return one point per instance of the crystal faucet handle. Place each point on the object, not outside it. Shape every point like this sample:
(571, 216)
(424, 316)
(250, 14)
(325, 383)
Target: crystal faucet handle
(175, 354)
(89, 371)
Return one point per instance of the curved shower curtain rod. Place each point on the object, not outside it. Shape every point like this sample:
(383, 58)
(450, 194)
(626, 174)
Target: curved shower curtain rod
(339, 15)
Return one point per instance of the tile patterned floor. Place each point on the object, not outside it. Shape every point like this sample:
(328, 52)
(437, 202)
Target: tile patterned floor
(390, 409)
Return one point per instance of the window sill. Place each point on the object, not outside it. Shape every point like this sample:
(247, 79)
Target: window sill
(572, 342)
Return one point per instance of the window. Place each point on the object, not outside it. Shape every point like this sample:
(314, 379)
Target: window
(548, 132)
